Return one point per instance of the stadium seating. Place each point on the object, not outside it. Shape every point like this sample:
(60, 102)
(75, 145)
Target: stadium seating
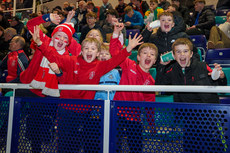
(3, 76)
(220, 19)
(133, 56)
(220, 56)
(131, 32)
(200, 42)
(222, 12)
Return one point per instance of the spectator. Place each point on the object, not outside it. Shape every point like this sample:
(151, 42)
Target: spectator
(2, 52)
(120, 8)
(91, 7)
(202, 20)
(164, 37)
(9, 33)
(109, 24)
(141, 6)
(220, 36)
(80, 16)
(103, 10)
(183, 10)
(3, 21)
(223, 4)
(62, 16)
(17, 25)
(188, 3)
(133, 19)
(152, 13)
(164, 4)
(186, 71)
(91, 19)
(15, 61)
(65, 5)
(111, 78)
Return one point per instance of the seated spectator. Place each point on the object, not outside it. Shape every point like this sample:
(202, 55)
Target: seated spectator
(103, 10)
(3, 21)
(183, 10)
(9, 33)
(62, 16)
(220, 36)
(120, 8)
(109, 24)
(186, 71)
(152, 13)
(80, 16)
(17, 25)
(141, 6)
(91, 19)
(15, 61)
(202, 20)
(2, 53)
(133, 19)
(65, 5)
(163, 4)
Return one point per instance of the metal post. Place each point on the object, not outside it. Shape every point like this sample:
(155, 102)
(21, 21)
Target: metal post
(106, 126)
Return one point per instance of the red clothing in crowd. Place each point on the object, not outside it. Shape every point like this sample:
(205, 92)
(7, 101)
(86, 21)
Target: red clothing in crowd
(28, 75)
(81, 72)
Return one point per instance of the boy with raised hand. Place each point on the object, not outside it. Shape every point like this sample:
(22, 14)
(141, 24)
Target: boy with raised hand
(187, 71)
(135, 73)
(84, 69)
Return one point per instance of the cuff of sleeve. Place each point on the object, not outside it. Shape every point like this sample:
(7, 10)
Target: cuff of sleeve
(59, 75)
(46, 17)
(115, 35)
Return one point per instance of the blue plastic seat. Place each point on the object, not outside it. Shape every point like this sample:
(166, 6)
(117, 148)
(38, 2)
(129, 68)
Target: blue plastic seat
(222, 12)
(220, 56)
(200, 42)
(131, 32)
(3, 76)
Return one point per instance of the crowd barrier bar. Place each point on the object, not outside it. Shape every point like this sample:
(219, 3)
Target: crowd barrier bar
(108, 88)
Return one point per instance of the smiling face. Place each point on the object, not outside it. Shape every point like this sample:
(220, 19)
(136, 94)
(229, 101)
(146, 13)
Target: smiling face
(89, 51)
(60, 40)
(146, 58)
(183, 55)
(95, 34)
(166, 23)
(199, 6)
(104, 55)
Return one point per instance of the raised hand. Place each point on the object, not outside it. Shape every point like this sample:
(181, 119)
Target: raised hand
(70, 16)
(134, 42)
(36, 35)
(55, 18)
(54, 67)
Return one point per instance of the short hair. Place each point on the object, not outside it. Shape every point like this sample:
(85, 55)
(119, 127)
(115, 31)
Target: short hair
(10, 31)
(90, 3)
(175, 6)
(165, 14)
(91, 14)
(200, 1)
(148, 45)
(128, 9)
(113, 12)
(182, 41)
(156, 1)
(101, 37)
(20, 40)
(91, 40)
(105, 47)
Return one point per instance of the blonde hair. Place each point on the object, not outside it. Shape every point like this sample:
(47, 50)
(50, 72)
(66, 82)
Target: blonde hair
(91, 41)
(99, 32)
(105, 47)
(128, 9)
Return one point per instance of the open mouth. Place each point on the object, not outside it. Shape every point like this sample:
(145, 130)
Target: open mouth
(59, 44)
(89, 57)
(147, 61)
(183, 61)
(103, 59)
(166, 26)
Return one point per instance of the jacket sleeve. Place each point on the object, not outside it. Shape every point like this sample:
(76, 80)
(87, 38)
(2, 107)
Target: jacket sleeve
(163, 75)
(146, 35)
(139, 20)
(209, 20)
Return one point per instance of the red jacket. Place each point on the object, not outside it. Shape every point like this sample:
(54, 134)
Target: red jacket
(132, 74)
(28, 75)
(81, 72)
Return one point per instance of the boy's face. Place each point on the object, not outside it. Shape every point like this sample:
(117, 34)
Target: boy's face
(104, 55)
(130, 13)
(183, 55)
(94, 34)
(153, 5)
(171, 9)
(166, 23)
(89, 52)
(199, 6)
(60, 40)
(91, 20)
(146, 58)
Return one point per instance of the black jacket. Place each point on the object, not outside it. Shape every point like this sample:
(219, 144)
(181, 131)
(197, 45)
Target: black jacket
(195, 74)
(164, 5)
(206, 20)
(185, 13)
(223, 4)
